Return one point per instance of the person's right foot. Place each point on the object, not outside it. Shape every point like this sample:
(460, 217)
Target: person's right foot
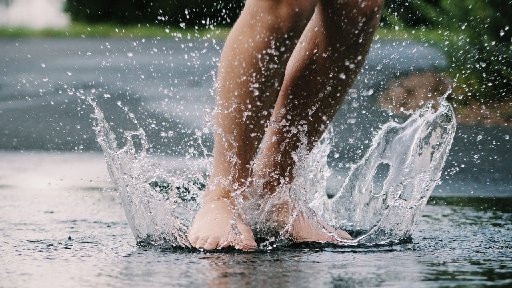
(216, 226)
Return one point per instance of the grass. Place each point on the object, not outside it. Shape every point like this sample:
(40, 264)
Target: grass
(106, 30)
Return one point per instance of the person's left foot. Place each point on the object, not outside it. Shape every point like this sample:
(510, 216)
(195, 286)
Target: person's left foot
(307, 227)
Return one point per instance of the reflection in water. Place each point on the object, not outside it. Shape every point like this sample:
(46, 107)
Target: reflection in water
(281, 268)
(228, 270)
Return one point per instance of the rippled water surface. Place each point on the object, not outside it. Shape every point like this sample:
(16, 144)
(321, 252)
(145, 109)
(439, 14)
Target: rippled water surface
(61, 228)
(62, 223)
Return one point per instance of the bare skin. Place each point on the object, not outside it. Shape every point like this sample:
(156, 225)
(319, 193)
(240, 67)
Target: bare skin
(306, 228)
(321, 44)
(229, 230)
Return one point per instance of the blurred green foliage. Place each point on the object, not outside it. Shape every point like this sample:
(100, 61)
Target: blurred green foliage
(476, 36)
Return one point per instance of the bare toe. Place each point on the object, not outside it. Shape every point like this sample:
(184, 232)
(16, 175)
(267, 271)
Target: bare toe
(200, 244)
(343, 235)
(213, 228)
(212, 243)
(248, 245)
(193, 240)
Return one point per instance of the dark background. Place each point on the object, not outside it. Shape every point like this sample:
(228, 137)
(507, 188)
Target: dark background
(475, 34)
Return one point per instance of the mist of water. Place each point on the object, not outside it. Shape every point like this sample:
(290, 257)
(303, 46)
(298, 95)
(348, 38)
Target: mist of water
(379, 201)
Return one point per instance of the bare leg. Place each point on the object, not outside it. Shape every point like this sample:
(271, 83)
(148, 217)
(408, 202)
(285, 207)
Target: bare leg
(322, 68)
(250, 74)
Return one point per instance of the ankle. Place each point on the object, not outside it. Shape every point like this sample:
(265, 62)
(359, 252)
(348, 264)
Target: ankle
(216, 197)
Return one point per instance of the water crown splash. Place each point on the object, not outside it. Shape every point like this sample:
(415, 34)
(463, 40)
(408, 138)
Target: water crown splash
(387, 189)
(380, 199)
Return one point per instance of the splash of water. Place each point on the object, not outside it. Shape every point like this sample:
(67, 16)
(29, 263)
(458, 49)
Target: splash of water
(159, 197)
(380, 199)
(386, 191)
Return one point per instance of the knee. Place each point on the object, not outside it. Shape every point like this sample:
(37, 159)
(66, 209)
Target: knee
(292, 9)
(287, 13)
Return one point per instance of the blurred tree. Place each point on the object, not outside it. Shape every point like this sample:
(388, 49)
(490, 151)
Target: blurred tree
(192, 13)
(477, 38)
